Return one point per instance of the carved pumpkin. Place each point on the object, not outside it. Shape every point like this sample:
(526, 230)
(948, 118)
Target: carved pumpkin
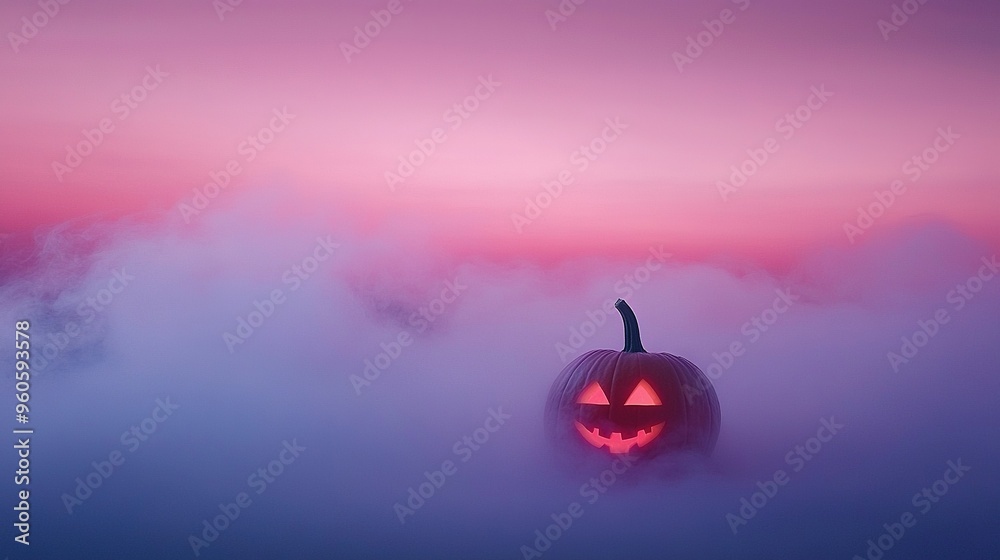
(629, 401)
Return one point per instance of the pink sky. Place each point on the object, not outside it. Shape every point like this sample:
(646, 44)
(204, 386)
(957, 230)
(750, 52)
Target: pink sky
(557, 87)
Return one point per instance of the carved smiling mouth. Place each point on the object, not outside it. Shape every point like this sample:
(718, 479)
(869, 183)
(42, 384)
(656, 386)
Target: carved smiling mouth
(617, 444)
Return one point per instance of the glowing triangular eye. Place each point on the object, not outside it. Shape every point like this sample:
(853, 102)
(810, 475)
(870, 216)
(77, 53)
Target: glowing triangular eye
(593, 394)
(643, 395)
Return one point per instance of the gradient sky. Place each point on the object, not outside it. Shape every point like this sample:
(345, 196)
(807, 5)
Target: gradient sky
(353, 120)
(63, 243)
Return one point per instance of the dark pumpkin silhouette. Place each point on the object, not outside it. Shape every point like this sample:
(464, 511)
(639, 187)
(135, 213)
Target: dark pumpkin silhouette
(633, 401)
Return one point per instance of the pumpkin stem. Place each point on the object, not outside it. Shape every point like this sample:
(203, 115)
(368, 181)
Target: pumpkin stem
(632, 342)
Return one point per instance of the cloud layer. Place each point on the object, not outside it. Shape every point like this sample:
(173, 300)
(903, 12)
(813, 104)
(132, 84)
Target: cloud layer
(468, 338)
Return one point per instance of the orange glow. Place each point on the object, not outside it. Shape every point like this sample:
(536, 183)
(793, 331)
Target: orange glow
(643, 395)
(593, 394)
(617, 444)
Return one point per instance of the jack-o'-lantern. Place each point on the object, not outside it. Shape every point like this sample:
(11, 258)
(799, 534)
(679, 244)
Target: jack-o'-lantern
(633, 401)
